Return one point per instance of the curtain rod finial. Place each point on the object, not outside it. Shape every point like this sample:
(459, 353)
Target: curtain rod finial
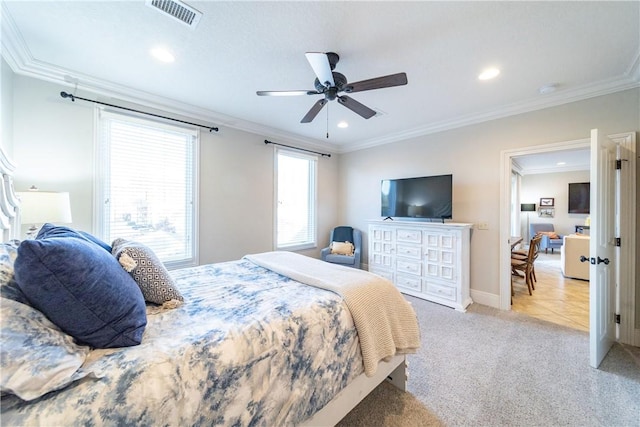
(67, 95)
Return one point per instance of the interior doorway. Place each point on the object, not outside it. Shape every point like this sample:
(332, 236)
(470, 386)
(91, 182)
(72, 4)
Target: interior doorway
(507, 202)
(560, 296)
(628, 288)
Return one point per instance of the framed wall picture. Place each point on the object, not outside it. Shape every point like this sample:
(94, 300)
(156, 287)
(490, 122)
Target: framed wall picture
(546, 202)
(546, 212)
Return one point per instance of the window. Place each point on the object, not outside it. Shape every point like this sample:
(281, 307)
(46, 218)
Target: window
(147, 186)
(295, 200)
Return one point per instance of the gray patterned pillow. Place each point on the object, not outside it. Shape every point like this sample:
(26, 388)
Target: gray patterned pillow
(147, 270)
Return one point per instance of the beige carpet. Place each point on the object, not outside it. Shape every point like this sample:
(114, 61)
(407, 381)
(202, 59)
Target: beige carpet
(388, 406)
(489, 367)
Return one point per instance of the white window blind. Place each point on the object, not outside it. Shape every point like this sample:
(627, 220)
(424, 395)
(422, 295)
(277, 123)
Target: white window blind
(147, 185)
(295, 200)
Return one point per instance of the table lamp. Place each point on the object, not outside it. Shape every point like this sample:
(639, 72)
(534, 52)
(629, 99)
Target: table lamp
(39, 207)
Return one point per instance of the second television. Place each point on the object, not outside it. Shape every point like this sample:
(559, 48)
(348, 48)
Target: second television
(420, 198)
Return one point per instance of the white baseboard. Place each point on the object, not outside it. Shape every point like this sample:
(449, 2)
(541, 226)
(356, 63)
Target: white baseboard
(485, 298)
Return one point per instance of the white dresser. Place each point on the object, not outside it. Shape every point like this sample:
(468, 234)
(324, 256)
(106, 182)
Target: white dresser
(428, 260)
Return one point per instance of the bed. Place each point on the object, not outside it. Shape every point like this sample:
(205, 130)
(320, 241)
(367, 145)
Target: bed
(271, 339)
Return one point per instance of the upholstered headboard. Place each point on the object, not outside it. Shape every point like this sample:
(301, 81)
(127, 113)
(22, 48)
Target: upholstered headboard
(9, 203)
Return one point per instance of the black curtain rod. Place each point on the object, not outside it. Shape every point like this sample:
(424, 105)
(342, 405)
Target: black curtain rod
(296, 148)
(73, 99)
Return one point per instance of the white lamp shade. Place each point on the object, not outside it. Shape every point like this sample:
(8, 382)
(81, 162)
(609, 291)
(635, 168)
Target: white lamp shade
(38, 207)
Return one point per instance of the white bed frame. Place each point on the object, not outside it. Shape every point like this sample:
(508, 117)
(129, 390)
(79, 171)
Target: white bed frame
(9, 203)
(394, 370)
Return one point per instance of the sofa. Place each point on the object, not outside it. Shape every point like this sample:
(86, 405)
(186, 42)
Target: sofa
(550, 239)
(574, 247)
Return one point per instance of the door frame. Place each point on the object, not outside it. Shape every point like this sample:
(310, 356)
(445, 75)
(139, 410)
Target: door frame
(628, 333)
(628, 330)
(506, 162)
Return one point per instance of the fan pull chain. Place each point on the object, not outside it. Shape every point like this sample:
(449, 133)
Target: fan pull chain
(327, 121)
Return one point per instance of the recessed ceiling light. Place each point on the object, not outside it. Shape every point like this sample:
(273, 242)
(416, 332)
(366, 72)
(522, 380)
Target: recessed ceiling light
(343, 124)
(561, 163)
(489, 74)
(162, 54)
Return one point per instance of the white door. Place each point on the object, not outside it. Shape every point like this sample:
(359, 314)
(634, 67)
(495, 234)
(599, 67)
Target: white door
(602, 286)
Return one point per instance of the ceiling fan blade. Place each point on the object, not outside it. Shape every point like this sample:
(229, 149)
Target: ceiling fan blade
(320, 63)
(391, 80)
(313, 112)
(286, 92)
(356, 107)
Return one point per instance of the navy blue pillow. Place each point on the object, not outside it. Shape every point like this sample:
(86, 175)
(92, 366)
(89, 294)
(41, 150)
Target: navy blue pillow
(343, 234)
(81, 288)
(50, 230)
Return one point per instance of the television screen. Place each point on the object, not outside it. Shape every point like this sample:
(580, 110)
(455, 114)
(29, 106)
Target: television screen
(428, 197)
(579, 197)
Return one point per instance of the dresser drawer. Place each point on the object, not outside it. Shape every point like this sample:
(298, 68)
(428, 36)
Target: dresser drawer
(441, 291)
(409, 282)
(408, 235)
(409, 251)
(411, 267)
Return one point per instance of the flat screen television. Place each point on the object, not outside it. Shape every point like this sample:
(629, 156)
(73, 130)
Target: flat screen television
(579, 197)
(421, 198)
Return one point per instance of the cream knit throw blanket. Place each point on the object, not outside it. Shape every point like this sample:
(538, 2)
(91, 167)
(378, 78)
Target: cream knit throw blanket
(385, 321)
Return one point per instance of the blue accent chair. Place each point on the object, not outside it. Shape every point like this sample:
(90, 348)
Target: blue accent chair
(546, 243)
(344, 234)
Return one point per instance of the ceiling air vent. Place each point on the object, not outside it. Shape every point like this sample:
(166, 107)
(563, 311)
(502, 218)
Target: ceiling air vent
(177, 10)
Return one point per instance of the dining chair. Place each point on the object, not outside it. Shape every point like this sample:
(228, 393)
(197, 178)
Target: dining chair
(526, 265)
(524, 254)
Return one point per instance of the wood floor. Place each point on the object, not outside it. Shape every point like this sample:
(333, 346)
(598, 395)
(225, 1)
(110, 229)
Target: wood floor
(556, 298)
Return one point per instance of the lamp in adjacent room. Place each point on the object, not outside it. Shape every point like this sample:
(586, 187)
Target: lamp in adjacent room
(39, 207)
(527, 207)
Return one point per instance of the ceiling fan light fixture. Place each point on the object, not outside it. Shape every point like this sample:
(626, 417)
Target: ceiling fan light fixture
(336, 83)
(343, 124)
(488, 74)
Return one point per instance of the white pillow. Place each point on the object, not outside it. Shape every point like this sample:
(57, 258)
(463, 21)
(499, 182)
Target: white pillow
(36, 357)
(342, 248)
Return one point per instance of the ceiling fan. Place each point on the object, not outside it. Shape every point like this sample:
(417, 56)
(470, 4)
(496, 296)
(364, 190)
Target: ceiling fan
(331, 83)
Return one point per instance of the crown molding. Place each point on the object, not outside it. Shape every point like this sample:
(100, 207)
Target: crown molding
(630, 80)
(634, 68)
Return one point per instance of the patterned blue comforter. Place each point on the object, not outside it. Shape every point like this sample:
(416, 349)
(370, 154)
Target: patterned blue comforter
(248, 347)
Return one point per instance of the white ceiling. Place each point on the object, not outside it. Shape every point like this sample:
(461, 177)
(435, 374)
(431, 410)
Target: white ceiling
(239, 47)
(555, 161)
